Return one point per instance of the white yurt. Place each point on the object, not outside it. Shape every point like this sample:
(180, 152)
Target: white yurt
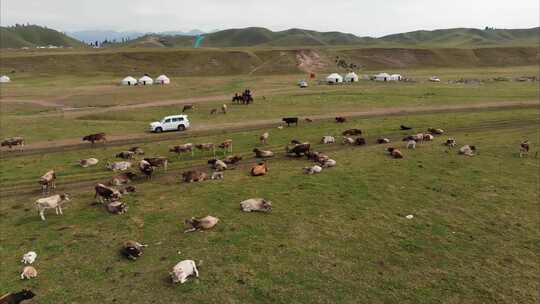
(395, 77)
(162, 79)
(4, 79)
(129, 81)
(334, 78)
(382, 77)
(145, 80)
(351, 77)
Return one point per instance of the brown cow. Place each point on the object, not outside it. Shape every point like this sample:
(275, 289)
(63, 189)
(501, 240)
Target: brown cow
(182, 149)
(48, 182)
(207, 147)
(232, 159)
(158, 162)
(194, 176)
(226, 146)
(123, 178)
(259, 169)
(95, 137)
(13, 141)
(341, 119)
(352, 132)
(395, 153)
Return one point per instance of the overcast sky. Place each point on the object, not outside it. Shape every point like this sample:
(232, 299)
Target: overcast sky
(360, 17)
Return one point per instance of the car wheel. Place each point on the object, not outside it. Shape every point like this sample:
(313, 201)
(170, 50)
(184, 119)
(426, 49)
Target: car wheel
(181, 128)
(159, 130)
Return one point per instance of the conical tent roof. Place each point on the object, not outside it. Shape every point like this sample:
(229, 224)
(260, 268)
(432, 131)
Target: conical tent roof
(129, 81)
(145, 80)
(334, 77)
(4, 79)
(162, 79)
(351, 77)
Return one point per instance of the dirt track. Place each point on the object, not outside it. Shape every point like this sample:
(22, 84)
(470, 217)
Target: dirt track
(205, 130)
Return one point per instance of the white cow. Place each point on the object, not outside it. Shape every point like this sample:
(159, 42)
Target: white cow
(256, 205)
(313, 170)
(88, 162)
(328, 140)
(183, 270)
(29, 257)
(51, 202)
(328, 163)
(121, 166)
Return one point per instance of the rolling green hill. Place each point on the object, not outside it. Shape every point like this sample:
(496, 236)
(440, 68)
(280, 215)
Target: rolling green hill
(33, 35)
(261, 37)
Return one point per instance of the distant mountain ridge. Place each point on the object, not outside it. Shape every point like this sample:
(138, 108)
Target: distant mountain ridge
(33, 36)
(101, 35)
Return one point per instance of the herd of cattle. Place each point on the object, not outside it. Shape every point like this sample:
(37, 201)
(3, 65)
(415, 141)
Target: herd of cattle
(110, 194)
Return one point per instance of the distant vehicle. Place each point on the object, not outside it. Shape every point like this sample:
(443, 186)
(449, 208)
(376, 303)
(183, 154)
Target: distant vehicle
(434, 79)
(170, 123)
(303, 84)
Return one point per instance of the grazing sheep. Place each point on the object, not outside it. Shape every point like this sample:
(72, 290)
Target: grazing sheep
(217, 175)
(18, 297)
(116, 207)
(29, 257)
(395, 153)
(51, 202)
(381, 141)
(126, 155)
(183, 270)
(411, 144)
(256, 205)
(263, 153)
(48, 182)
(85, 163)
(328, 140)
(524, 148)
(450, 142)
(348, 140)
(313, 170)
(28, 273)
(328, 163)
(132, 250)
(205, 223)
(467, 150)
(194, 176)
(264, 138)
(118, 166)
(259, 169)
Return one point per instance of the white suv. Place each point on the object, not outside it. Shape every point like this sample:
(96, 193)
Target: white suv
(170, 123)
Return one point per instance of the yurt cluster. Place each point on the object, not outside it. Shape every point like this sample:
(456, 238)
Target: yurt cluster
(146, 80)
(336, 78)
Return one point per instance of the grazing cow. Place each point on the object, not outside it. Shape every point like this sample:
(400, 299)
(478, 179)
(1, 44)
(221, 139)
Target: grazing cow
(348, 140)
(218, 165)
(263, 153)
(434, 131)
(317, 157)
(18, 297)
(207, 147)
(183, 149)
(48, 182)
(85, 163)
(524, 148)
(360, 141)
(204, 223)
(256, 205)
(395, 153)
(137, 150)
(123, 178)
(194, 176)
(183, 270)
(188, 107)
(158, 162)
(232, 159)
(450, 142)
(116, 207)
(313, 169)
(290, 120)
(409, 138)
(328, 140)
(381, 141)
(126, 155)
(404, 128)
(217, 175)
(95, 137)
(104, 193)
(13, 141)
(411, 144)
(132, 250)
(340, 119)
(118, 166)
(428, 137)
(352, 132)
(52, 202)
(28, 273)
(29, 257)
(328, 163)
(467, 150)
(224, 108)
(299, 149)
(264, 138)
(419, 137)
(226, 146)
(259, 170)
(146, 168)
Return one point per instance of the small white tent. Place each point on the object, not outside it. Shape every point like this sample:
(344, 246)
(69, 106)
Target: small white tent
(351, 77)
(162, 79)
(129, 81)
(145, 80)
(382, 77)
(395, 77)
(4, 79)
(334, 78)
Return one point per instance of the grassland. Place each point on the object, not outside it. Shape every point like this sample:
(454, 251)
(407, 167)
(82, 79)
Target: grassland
(339, 236)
